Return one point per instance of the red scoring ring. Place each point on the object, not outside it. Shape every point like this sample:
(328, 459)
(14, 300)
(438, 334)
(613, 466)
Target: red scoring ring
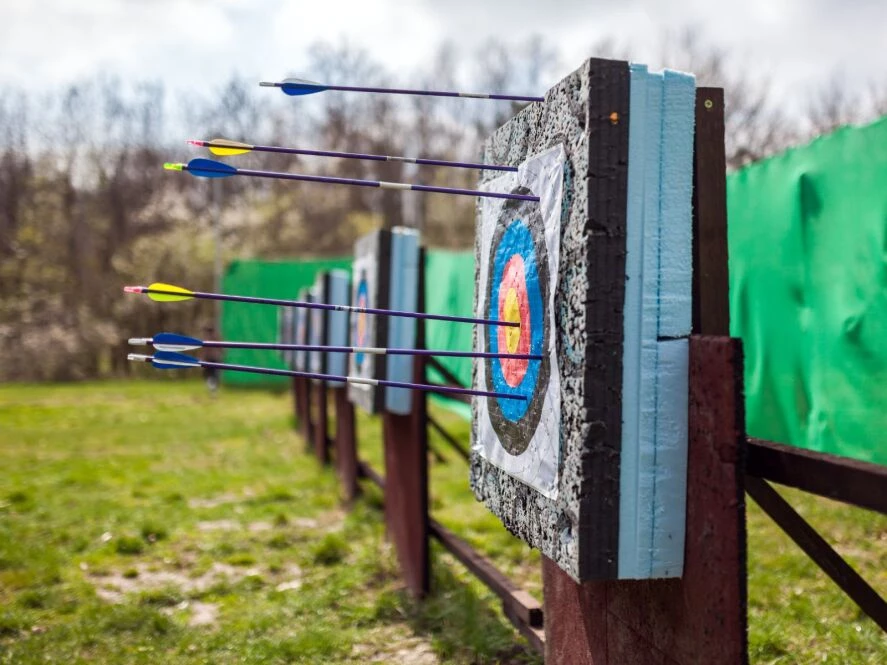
(513, 278)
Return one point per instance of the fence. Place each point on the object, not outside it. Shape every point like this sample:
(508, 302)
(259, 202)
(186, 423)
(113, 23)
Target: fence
(698, 618)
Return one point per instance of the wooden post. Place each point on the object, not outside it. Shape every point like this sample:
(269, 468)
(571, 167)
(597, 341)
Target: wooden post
(346, 444)
(297, 404)
(303, 408)
(700, 618)
(406, 473)
(320, 436)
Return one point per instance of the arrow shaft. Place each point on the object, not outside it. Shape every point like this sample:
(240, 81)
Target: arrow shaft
(354, 182)
(404, 91)
(437, 93)
(374, 350)
(335, 308)
(345, 379)
(375, 158)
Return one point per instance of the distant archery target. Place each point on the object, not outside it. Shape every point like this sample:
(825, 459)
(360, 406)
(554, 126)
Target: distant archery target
(361, 323)
(518, 291)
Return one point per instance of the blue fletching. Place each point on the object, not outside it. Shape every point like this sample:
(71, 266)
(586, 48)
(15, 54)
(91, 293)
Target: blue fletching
(296, 87)
(170, 360)
(210, 168)
(174, 342)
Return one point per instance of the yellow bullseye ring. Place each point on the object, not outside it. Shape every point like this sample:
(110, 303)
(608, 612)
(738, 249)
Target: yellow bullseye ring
(511, 313)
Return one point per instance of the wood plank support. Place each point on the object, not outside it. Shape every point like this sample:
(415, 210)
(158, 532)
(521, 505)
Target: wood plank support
(519, 604)
(320, 434)
(345, 444)
(815, 546)
(449, 438)
(700, 618)
(840, 478)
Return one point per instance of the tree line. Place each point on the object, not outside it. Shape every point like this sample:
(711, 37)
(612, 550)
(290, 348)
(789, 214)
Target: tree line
(85, 207)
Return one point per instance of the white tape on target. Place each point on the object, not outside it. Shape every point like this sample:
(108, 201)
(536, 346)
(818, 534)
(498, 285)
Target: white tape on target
(522, 244)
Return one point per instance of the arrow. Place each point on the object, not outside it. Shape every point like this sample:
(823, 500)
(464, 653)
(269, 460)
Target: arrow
(209, 168)
(228, 148)
(177, 343)
(170, 360)
(299, 87)
(161, 292)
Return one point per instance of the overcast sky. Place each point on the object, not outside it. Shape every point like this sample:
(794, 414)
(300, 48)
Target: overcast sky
(797, 43)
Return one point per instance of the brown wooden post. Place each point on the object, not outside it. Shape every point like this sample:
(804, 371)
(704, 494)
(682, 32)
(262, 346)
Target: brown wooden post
(320, 435)
(700, 618)
(406, 473)
(297, 403)
(303, 408)
(346, 444)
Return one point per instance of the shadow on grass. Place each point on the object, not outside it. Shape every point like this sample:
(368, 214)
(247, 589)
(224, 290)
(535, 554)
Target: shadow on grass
(462, 619)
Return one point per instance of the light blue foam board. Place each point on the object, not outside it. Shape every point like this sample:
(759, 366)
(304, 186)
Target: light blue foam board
(676, 265)
(668, 527)
(338, 324)
(652, 500)
(404, 296)
(631, 356)
(316, 327)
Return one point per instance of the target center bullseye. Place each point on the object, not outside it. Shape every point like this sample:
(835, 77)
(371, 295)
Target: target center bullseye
(511, 312)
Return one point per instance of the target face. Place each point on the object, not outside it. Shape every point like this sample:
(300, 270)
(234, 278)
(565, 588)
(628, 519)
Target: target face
(361, 322)
(370, 281)
(518, 260)
(517, 291)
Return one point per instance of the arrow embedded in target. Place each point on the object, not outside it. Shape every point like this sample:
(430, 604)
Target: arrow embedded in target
(209, 168)
(228, 148)
(299, 87)
(178, 343)
(171, 360)
(161, 292)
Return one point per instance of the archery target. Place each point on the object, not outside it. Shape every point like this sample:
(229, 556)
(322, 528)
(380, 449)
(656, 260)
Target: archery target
(371, 272)
(520, 250)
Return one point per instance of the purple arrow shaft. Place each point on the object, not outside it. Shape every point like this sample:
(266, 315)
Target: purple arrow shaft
(335, 308)
(381, 351)
(437, 93)
(351, 379)
(332, 180)
(376, 158)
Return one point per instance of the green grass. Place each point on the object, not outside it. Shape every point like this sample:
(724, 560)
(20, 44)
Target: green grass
(146, 522)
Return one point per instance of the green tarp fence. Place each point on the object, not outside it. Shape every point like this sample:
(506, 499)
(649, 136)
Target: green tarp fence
(808, 292)
(258, 323)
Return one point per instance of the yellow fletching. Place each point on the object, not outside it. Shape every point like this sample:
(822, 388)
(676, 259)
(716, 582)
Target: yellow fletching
(226, 148)
(178, 293)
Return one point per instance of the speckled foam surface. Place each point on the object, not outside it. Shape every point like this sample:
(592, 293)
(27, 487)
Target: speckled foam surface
(625, 247)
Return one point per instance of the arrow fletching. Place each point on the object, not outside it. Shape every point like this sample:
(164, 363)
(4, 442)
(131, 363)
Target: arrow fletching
(175, 343)
(210, 168)
(177, 292)
(171, 360)
(224, 147)
(298, 87)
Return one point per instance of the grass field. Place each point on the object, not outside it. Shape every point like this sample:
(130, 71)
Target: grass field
(147, 523)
